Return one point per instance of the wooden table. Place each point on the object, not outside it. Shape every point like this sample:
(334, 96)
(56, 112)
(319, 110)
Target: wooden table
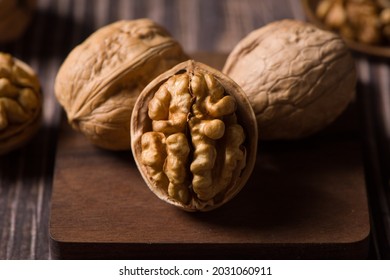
(27, 175)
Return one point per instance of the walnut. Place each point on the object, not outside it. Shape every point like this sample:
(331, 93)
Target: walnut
(364, 21)
(20, 103)
(99, 81)
(194, 137)
(298, 78)
(15, 16)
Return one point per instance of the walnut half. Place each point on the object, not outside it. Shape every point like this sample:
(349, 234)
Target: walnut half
(194, 137)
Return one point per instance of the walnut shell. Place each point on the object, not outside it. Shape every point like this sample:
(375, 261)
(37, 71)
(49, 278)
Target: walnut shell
(20, 103)
(194, 137)
(15, 16)
(99, 81)
(298, 78)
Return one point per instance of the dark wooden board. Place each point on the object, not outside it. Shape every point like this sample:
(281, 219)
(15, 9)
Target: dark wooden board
(305, 200)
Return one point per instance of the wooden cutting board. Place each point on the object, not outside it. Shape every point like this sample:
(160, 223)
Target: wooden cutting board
(305, 200)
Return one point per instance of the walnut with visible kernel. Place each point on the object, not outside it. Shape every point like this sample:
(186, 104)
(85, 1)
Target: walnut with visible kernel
(20, 103)
(194, 137)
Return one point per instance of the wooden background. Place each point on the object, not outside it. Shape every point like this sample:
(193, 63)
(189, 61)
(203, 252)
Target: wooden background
(199, 25)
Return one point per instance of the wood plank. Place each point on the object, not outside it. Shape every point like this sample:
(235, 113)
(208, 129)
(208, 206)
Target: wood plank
(305, 199)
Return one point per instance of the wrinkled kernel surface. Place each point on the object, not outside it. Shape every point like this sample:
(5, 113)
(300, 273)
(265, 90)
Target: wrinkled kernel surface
(195, 145)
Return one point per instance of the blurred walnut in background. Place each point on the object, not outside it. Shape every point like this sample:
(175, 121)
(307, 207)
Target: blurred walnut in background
(365, 21)
(20, 103)
(15, 15)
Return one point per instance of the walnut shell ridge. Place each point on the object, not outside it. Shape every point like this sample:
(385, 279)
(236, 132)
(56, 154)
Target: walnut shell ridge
(99, 81)
(298, 78)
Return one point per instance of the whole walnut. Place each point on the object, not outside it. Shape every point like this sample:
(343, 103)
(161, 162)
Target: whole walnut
(100, 80)
(15, 16)
(297, 77)
(20, 103)
(194, 137)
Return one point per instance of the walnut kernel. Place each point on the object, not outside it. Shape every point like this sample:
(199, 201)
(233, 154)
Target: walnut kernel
(20, 103)
(364, 21)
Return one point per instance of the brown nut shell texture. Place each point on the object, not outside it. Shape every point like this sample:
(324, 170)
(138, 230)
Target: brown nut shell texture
(15, 16)
(194, 137)
(100, 80)
(298, 78)
(20, 103)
